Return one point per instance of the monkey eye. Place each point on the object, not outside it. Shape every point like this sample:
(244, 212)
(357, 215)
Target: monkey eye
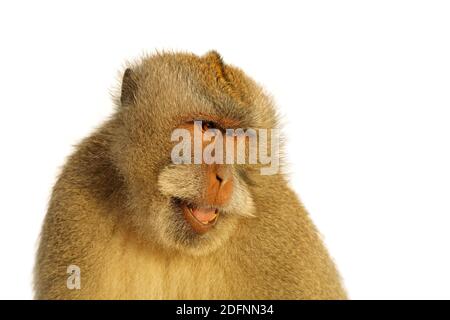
(209, 125)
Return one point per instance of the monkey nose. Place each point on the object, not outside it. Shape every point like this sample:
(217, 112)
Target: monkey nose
(222, 174)
(220, 186)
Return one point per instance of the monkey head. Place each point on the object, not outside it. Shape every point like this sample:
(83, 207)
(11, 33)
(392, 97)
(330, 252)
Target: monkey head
(190, 207)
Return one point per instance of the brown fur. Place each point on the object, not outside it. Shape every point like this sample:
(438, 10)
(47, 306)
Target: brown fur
(111, 211)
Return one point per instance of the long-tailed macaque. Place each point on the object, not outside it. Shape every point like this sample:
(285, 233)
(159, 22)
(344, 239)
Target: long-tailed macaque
(126, 221)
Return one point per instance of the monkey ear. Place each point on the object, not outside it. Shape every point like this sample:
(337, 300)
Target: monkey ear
(129, 87)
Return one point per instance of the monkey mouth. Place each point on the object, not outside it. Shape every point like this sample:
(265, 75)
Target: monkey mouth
(201, 219)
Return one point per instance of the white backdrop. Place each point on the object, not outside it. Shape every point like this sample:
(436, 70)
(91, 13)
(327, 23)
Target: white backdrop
(364, 87)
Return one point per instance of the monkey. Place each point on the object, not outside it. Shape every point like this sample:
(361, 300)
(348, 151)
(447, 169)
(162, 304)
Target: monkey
(138, 226)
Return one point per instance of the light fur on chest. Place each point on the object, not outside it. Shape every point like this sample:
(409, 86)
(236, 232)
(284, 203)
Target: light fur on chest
(131, 271)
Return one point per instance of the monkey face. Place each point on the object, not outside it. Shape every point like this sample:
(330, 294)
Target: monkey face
(207, 200)
(193, 206)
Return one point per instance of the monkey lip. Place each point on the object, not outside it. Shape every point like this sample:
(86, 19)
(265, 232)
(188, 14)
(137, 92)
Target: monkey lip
(201, 219)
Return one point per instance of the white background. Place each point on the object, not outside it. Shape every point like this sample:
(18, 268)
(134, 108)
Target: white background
(364, 87)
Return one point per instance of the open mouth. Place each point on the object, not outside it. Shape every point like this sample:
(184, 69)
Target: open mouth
(201, 219)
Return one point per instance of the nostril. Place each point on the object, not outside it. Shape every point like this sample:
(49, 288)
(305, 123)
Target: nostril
(219, 178)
